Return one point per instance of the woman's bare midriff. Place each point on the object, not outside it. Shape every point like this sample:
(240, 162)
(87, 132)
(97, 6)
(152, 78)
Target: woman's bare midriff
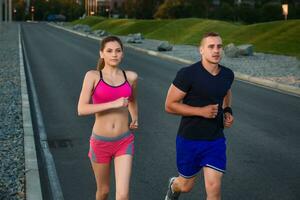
(111, 123)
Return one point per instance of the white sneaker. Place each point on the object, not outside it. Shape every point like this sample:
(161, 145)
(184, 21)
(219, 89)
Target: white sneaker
(170, 194)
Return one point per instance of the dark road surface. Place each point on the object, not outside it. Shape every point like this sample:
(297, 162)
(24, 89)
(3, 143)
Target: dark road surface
(263, 145)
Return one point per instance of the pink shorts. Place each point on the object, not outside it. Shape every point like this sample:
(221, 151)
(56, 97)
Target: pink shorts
(103, 149)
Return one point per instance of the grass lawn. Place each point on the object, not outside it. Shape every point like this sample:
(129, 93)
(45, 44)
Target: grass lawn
(277, 37)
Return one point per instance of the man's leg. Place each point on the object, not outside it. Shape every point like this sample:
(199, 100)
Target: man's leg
(213, 179)
(179, 184)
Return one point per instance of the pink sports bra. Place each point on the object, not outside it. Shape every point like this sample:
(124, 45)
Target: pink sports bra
(104, 92)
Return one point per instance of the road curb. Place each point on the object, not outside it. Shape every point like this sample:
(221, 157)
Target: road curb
(239, 76)
(46, 156)
(32, 184)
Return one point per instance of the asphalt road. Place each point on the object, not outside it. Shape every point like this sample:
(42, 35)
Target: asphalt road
(263, 145)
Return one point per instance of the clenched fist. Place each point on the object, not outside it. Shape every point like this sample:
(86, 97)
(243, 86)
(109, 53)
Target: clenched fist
(210, 111)
(134, 124)
(121, 102)
(228, 120)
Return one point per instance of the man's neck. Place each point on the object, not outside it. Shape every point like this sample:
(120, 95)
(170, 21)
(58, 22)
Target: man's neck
(212, 68)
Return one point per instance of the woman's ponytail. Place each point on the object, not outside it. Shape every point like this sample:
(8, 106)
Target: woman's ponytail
(100, 64)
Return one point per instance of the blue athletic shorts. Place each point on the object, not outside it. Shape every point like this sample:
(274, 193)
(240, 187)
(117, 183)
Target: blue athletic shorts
(192, 155)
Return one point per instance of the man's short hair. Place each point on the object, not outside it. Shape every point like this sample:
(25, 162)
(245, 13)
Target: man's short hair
(209, 34)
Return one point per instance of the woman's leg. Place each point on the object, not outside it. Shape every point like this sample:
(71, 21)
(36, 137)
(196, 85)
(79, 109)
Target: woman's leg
(123, 165)
(102, 176)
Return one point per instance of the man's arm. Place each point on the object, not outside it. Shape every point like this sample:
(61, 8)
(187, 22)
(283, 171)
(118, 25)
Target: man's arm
(227, 99)
(228, 118)
(174, 105)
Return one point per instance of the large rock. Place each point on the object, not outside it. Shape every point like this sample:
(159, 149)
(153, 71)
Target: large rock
(135, 38)
(86, 29)
(245, 49)
(132, 40)
(82, 27)
(138, 36)
(97, 32)
(76, 27)
(103, 33)
(231, 51)
(165, 46)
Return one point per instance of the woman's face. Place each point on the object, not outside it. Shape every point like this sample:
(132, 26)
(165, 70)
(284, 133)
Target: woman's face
(112, 53)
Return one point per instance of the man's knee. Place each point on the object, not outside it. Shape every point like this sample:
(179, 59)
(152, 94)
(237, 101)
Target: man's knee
(213, 185)
(186, 188)
(213, 189)
(213, 181)
(184, 185)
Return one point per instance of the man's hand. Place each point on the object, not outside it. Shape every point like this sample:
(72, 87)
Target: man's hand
(209, 111)
(228, 120)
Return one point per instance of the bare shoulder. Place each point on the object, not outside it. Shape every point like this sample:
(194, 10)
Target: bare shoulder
(131, 75)
(92, 75)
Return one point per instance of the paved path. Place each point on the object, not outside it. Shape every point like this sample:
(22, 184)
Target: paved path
(262, 142)
(281, 69)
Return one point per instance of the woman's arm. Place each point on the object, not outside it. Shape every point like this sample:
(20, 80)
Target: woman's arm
(85, 107)
(132, 104)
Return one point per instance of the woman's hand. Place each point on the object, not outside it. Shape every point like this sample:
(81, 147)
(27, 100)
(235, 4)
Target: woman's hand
(134, 124)
(120, 102)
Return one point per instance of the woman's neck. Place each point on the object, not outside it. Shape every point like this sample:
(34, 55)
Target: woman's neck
(110, 69)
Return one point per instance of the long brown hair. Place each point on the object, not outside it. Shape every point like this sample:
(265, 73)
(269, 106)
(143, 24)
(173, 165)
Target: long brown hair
(101, 63)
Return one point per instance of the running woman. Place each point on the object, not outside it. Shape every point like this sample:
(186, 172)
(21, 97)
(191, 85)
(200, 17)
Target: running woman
(110, 93)
(201, 94)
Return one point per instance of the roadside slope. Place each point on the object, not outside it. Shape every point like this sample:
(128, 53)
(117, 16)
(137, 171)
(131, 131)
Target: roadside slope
(278, 37)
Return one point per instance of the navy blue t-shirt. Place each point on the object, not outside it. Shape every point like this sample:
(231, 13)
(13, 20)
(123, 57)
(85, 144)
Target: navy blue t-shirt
(202, 89)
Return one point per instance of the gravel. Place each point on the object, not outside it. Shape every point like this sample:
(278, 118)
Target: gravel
(278, 68)
(12, 177)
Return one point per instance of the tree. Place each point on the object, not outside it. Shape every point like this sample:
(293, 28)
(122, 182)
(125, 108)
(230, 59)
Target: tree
(130, 8)
(68, 8)
(184, 8)
(224, 12)
(146, 8)
(141, 9)
(19, 10)
(271, 12)
(247, 13)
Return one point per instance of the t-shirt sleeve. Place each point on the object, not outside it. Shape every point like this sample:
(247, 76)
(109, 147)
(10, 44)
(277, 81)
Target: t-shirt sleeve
(182, 80)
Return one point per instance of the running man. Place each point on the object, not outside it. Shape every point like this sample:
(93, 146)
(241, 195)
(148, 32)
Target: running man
(201, 94)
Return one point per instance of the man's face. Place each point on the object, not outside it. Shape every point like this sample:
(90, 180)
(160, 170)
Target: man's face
(211, 49)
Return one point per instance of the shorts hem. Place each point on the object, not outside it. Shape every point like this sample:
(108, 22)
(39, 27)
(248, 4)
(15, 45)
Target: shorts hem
(215, 168)
(101, 162)
(188, 177)
(124, 154)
